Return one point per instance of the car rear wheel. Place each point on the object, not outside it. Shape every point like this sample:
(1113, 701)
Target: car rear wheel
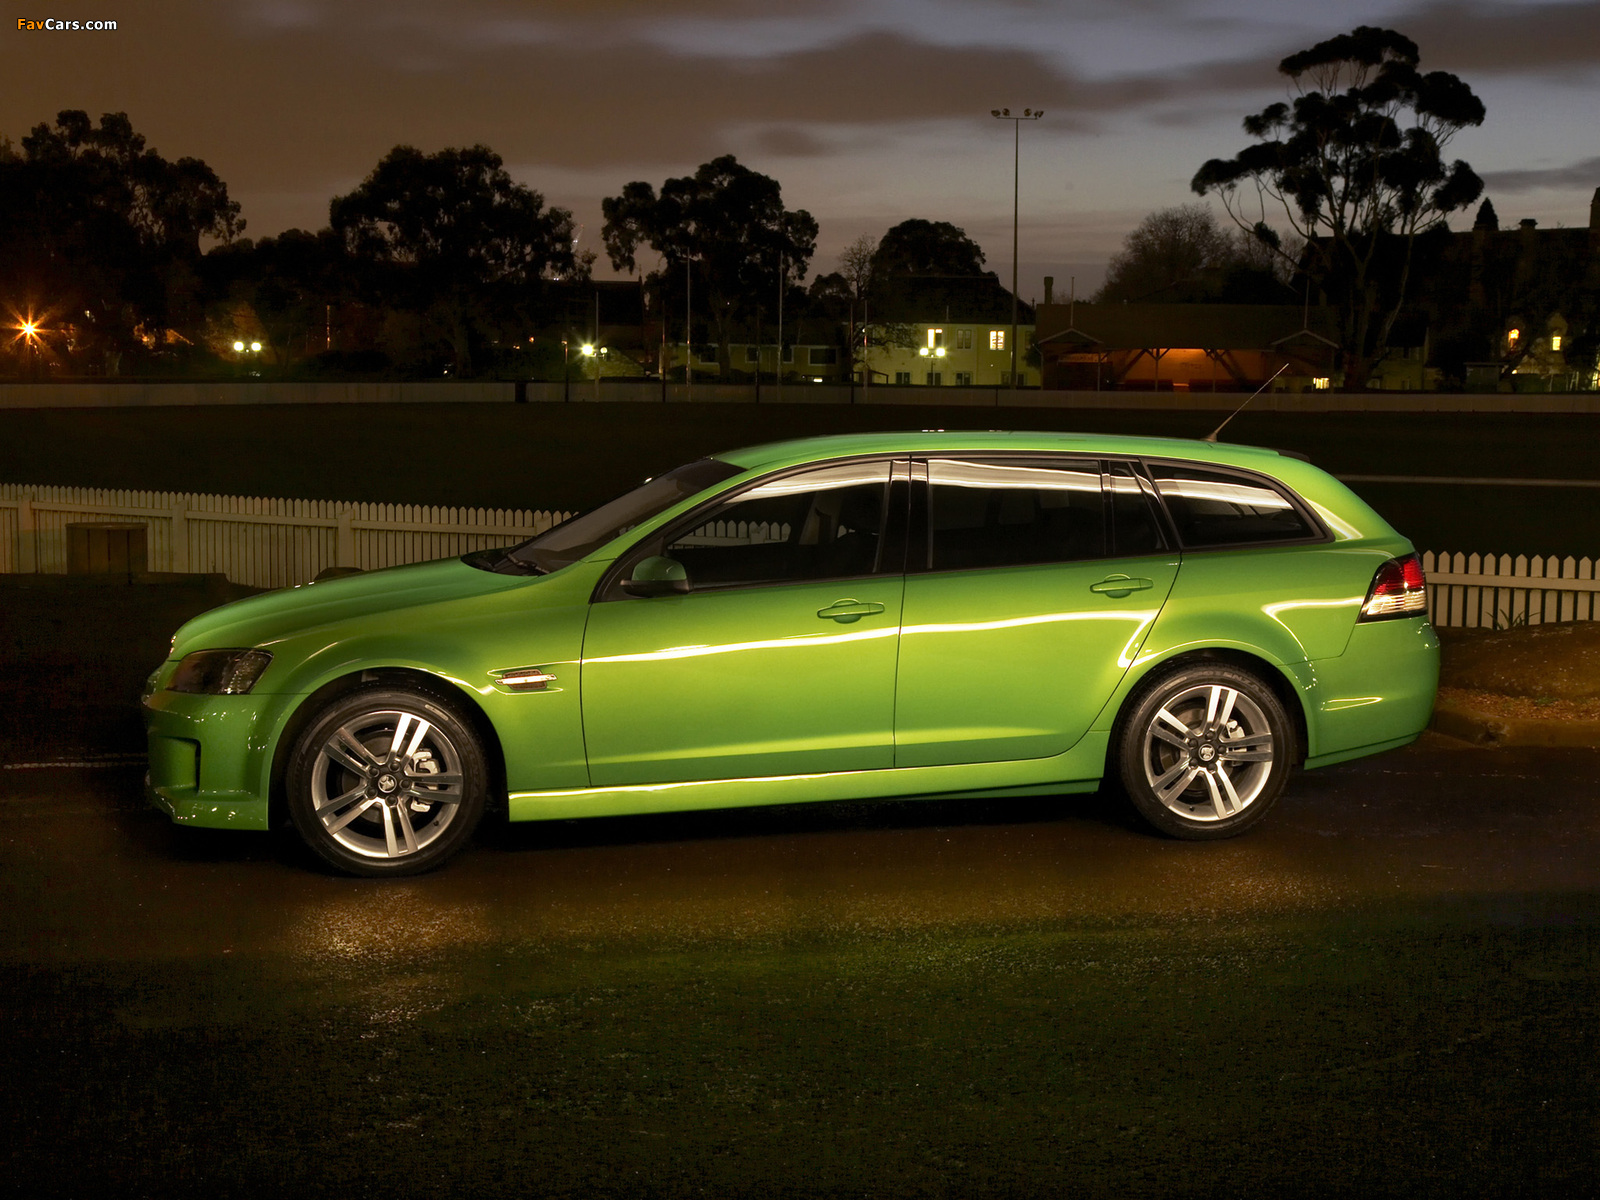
(386, 782)
(1205, 751)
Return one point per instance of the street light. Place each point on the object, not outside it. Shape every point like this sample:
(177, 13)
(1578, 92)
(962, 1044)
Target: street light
(1004, 114)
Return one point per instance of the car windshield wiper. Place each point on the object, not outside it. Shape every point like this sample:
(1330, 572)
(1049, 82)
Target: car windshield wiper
(502, 562)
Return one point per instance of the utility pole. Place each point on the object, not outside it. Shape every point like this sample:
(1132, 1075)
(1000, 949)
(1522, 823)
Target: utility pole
(1004, 114)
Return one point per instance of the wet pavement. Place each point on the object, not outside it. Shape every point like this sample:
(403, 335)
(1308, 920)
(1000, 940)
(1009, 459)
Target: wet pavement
(1389, 988)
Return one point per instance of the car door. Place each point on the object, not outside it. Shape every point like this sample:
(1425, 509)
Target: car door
(1031, 580)
(778, 658)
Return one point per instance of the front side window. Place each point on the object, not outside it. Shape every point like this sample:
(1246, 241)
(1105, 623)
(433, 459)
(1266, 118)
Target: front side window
(822, 524)
(1012, 513)
(1213, 508)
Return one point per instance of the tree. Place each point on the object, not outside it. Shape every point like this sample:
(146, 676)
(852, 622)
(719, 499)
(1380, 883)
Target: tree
(918, 247)
(453, 240)
(846, 298)
(726, 225)
(1185, 255)
(1356, 164)
(94, 222)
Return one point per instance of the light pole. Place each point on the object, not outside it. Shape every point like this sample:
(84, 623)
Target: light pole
(1004, 114)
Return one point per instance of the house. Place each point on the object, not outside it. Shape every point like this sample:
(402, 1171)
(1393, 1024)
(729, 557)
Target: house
(1514, 309)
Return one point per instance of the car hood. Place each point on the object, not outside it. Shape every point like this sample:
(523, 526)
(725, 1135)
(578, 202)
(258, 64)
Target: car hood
(260, 620)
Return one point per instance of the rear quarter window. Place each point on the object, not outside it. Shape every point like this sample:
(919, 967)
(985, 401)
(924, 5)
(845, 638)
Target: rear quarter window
(1218, 508)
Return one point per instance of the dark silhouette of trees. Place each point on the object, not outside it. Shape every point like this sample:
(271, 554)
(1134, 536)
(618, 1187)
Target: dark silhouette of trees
(1355, 162)
(104, 237)
(1184, 255)
(918, 247)
(727, 226)
(452, 240)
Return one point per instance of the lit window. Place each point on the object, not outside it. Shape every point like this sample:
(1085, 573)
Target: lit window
(935, 338)
(997, 339)
(1322, 383)
(1555, 341)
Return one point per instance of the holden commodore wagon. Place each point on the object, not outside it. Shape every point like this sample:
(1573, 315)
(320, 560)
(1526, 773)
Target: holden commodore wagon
(884, 615)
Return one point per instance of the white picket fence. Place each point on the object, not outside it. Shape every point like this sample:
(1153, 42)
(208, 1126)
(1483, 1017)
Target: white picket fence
(274, 543)
(253, 540)
(1490, 591)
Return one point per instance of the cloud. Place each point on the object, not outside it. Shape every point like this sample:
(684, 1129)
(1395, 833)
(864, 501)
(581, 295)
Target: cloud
(1585, 173)
(1526, 39)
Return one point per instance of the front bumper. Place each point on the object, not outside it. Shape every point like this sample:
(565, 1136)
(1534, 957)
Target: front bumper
(209, 758)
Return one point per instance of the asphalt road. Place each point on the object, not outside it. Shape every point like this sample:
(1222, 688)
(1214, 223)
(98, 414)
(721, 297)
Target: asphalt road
(1389, 989)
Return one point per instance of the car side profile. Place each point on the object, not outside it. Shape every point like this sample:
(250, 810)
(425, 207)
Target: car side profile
(882, 615)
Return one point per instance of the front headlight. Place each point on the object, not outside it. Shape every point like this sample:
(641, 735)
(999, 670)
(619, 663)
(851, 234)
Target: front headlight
(219, 672)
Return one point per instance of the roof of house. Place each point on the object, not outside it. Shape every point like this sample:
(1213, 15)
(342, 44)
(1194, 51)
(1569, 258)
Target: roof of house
(1187, 326)
(959, 299)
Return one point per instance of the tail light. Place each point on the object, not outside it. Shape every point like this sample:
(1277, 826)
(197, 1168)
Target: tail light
(1398, 590)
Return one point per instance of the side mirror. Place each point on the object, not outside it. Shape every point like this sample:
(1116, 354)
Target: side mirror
(657, 576)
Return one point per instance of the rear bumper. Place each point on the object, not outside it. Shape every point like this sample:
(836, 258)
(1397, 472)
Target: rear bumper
(1375, 696)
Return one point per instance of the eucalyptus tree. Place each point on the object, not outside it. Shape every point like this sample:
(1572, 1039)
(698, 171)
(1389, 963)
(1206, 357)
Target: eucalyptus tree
(454, 239)
(1355, 163)
(725, 226)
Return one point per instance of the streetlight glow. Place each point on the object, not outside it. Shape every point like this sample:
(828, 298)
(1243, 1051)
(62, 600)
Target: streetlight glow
(238, 347)
(587, 349)
(255, 347)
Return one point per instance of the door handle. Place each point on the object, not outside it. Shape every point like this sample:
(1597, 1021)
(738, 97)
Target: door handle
(1118, 586)
(848, 611)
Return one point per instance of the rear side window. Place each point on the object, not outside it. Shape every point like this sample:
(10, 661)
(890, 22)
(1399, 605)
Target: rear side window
(1007, 514)
(1213, 508)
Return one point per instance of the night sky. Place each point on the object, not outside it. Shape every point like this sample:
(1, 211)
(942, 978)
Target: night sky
(867, 112)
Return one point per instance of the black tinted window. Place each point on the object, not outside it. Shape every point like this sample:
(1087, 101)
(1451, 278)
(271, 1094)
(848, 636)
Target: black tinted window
(822, 524)
(1211, 508)
(1001, 514)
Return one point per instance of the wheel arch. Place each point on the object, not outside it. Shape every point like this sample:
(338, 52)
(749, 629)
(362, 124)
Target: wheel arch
(1283, 686)
(408, 677)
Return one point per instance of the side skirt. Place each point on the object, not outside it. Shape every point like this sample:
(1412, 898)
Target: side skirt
(1078, 770)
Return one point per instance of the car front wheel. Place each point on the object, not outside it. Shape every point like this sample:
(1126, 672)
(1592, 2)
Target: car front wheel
(386, 782)
(1205, 751)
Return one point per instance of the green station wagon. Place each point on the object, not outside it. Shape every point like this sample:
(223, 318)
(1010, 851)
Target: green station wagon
(883, 615)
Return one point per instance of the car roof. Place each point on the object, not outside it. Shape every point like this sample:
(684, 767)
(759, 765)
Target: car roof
(802, 450)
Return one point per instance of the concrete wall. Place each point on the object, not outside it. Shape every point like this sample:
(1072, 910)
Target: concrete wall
(136, 395)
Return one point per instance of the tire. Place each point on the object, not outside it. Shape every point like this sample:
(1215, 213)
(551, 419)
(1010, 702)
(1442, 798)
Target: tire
(1205, 751)
(387, 782)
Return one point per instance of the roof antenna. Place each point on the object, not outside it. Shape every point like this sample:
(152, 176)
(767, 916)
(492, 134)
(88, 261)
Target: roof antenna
(1212, 436)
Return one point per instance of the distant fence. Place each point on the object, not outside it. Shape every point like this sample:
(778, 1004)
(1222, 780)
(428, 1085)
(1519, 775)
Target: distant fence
(259, 542)
(275, 543)
(1490, 591)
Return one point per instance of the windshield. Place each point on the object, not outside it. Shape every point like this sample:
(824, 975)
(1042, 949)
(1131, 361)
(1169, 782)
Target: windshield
(587, 532)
